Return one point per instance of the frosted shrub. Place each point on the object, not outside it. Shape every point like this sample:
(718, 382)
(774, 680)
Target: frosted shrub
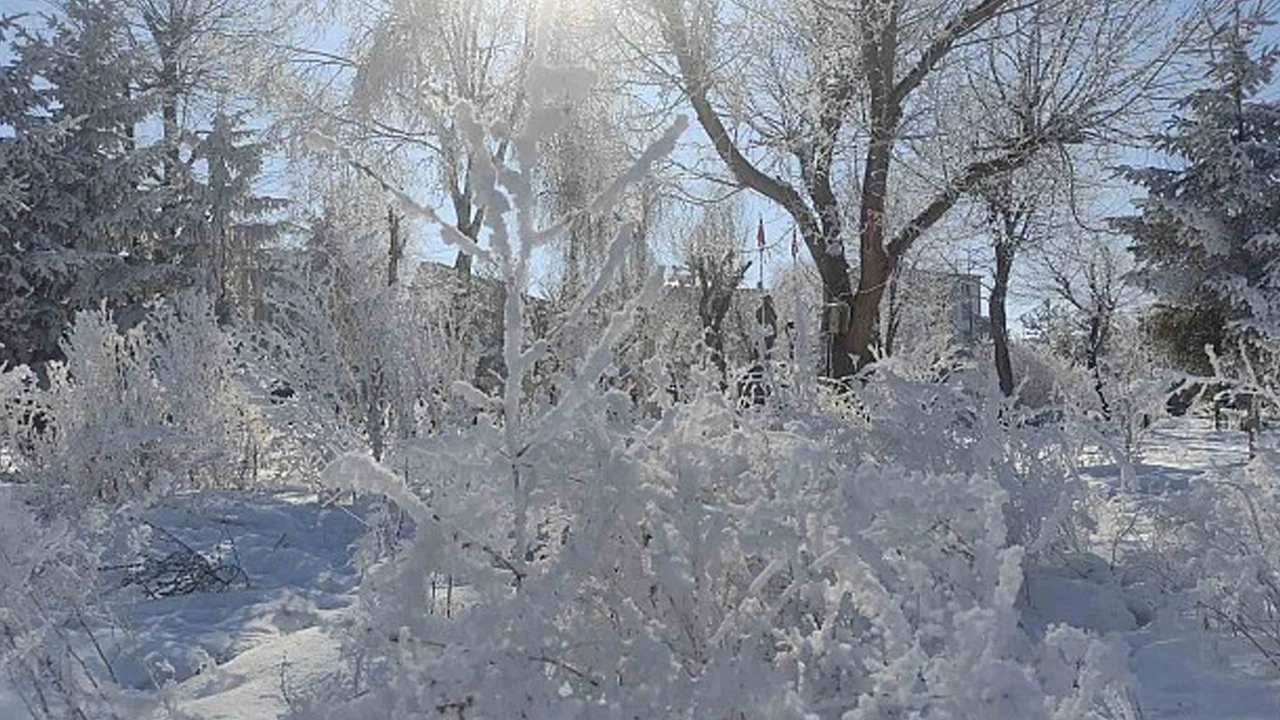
(705, 566)
(56, 630)
(22, 420)
(138, 412)
(303, 350)
(936, 543)
(965, 425)
(1227, 550)
(42, 586)
(131, 415)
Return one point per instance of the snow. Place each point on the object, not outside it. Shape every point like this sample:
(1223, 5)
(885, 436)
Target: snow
(1188, 674)
(260, 682)
(10, 704)
(1183, 670)
(248, 652)
(295, 556)
(239, 653)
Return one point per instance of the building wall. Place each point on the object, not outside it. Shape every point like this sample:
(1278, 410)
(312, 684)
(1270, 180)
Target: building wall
(928, 298)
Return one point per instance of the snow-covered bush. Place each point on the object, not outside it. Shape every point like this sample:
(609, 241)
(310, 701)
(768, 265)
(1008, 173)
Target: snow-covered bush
(342, 359)
(132, 412)
(46, 606)
(709, 562)
(301, 371)
(1222, 542)
(973, 429)
(704, 566)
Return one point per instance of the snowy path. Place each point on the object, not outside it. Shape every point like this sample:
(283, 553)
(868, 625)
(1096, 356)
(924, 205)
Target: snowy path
(1185, 675)
(1191, 444)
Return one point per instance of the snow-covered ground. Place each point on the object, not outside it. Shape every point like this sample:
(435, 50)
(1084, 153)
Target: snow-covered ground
(241, 654)
(294, 554)
(238, 651)
(1182, 670)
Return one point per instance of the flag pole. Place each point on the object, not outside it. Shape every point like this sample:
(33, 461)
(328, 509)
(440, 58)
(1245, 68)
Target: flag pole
(760, 253)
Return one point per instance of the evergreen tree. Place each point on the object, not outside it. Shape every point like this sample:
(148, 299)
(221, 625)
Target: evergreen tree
(80, 207)
(1205, 238)
(235, 221)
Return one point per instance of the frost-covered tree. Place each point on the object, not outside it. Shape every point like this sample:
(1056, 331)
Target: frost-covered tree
(192, 51)
(1205, 239)
(401, 68)
(82, 212)
(789, 94)
(713, 259)
(1014, 221)
(582, 156)
(593, 146)
(235, 220)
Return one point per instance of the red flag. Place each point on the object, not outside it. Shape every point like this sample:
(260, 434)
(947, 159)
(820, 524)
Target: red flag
(760, 235)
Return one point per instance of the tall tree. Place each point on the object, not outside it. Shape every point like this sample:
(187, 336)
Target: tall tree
(713, 258)
(1205, 238)
(1019, 215)
(83, 206)
(389, 91)
(787, 118)
(1085, 275)
(1010, 221)
(235, 221)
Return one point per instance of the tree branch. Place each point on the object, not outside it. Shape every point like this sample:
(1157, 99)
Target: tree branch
(973, 176)
(696, 87)
(960, 26)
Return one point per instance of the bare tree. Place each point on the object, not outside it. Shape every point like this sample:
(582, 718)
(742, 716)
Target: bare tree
(1085, 275)
(191, 43)
(881, 80)
(403, 68)
(714, 260)
(1018, 216)
(589, 149)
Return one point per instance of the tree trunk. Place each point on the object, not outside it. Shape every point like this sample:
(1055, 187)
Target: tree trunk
(169, 114)
(1092, 360)
(713, 336)
(467, 225)
(893, 315)
(717, 284)
(876, 265)
(860, 339)
(999, 319)
(838, 293)
(396, 251)
(1253, 422)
